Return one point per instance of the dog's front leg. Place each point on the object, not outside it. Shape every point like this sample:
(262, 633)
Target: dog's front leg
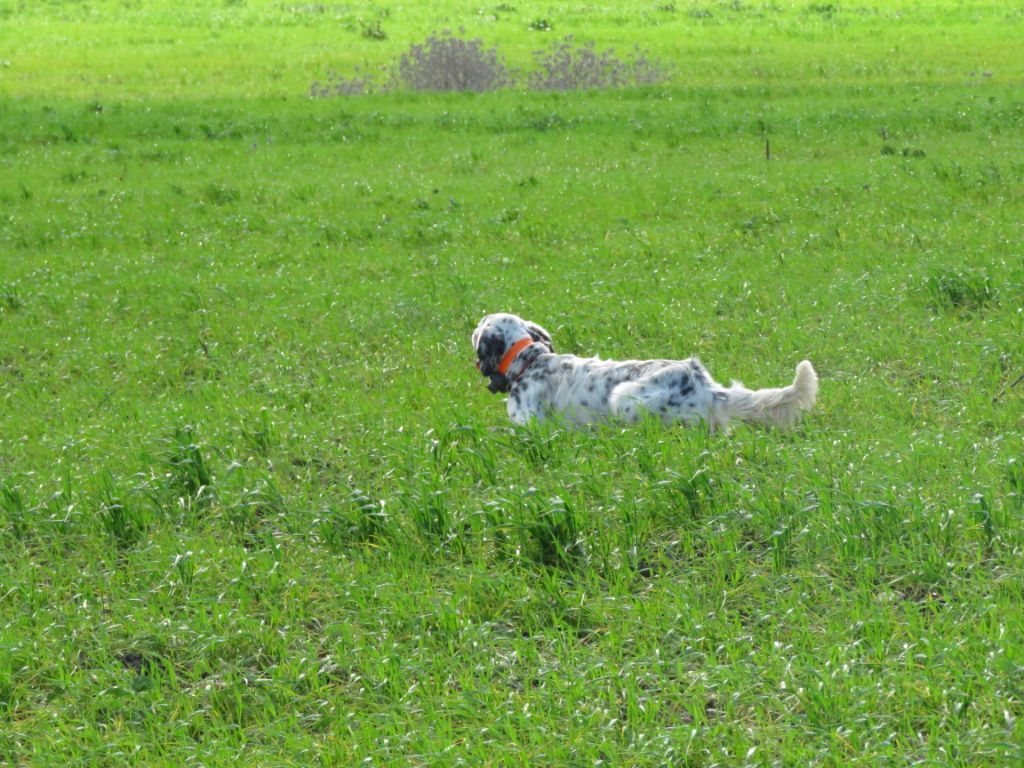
(524, 406)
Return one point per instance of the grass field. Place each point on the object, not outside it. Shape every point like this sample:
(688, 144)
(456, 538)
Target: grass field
(257, 505)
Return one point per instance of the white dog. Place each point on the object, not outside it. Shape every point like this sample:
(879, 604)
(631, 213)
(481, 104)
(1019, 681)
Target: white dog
(518, 357)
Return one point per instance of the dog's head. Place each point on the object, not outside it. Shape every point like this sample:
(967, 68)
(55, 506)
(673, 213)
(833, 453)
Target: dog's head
(494, 336)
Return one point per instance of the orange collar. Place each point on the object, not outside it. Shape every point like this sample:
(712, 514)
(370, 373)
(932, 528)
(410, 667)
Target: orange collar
(518, 347)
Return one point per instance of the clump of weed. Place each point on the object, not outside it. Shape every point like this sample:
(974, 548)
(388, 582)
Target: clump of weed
(60, 506)
(541, 25)
(121, 516)
(441, 63)
(10, 299)
(982, 513)
(1015, 480)
(262, 438)
(15, 510)
(889, 150)
(217, 194)
(557, 604)
(825, 10)
(569, 67)
(189, 476)
(8, 688)
(537, 444)
(360, 84)
(185, 566)
(448, 63)
(257, 512)
(432, 515)
(464, 447)
(955, 288)
(552, 533)
(357, 519)
(687, 498)
(372, 30)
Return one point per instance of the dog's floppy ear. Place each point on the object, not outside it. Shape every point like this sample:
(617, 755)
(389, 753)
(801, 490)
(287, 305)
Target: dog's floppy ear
(538, 334)
(490, 348)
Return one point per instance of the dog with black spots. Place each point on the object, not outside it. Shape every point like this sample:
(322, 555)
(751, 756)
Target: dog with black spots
(519, 358)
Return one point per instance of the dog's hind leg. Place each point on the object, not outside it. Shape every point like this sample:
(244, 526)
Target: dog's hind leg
(628, 400)
(631, 399)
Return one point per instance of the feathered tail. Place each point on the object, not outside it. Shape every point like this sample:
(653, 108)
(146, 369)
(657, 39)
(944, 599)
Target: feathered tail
(780, 407)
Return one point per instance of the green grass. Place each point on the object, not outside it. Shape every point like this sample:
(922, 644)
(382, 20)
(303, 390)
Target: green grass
(256, 503)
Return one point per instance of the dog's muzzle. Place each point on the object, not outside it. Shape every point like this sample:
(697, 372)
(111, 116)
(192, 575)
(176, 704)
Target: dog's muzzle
(498, 381)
